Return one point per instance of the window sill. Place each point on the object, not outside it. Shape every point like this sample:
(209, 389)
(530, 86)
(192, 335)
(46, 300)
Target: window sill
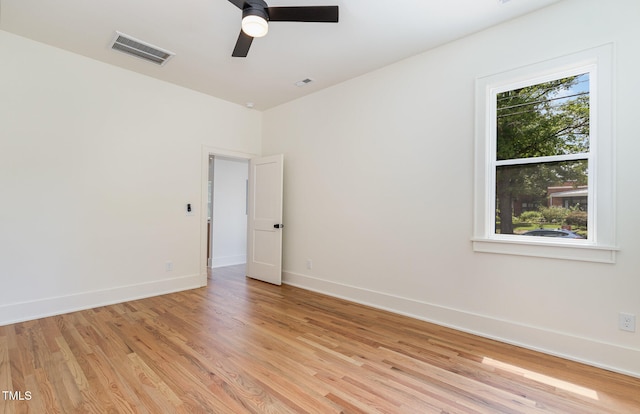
(552, 250)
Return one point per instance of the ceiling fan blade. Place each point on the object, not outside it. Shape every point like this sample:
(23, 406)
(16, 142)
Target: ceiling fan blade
(242, 45)
(238, 3)
(322, 14)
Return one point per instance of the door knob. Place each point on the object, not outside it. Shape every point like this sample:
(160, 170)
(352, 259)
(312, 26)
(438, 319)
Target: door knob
(278, 226)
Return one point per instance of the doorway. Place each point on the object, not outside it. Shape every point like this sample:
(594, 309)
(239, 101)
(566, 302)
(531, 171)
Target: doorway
(263, 200)
(208, 237)
(227, 211)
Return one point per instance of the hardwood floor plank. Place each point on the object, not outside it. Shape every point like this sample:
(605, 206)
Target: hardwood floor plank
(244, 346)
(5, 374)
(95, 394)
(421, 396)
(121, 397)
(204, 391)
(153, 383)
(45, 394)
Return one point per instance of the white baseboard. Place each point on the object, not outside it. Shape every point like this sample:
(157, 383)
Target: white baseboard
(588, 351)
(24, 311)
(229, 261)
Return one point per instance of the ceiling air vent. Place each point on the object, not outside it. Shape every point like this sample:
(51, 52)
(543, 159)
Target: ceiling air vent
(303, 82)
(127, 44)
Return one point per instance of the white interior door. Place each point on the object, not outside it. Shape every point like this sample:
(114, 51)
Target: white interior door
(264, 235)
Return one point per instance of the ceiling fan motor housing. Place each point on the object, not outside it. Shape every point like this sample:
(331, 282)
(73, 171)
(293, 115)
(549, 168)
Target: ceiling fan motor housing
(255, 8)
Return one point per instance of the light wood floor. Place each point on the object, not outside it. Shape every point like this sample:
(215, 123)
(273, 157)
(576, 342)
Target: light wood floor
(243, 346)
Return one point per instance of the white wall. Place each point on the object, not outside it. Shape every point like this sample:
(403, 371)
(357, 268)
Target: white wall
(97, 165)
(229, 211)
(379, 193)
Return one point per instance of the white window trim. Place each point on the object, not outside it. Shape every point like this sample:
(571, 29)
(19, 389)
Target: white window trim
(600, 246)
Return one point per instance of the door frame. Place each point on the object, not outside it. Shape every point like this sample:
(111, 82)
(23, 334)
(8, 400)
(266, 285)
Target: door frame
(207, 151)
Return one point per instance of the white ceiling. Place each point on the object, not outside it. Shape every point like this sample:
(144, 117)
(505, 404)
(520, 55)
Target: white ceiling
(202, 33)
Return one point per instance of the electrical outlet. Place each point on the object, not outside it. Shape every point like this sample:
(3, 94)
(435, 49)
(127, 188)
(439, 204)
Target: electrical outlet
(168, 266)
(627, 322)
(309, 264)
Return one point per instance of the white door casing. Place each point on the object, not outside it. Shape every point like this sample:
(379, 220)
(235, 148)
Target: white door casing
(264, 238)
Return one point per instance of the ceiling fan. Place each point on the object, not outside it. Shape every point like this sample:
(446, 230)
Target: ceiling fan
(256, 14)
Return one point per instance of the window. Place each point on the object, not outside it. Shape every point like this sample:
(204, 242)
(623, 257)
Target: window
(544, 182)
(542, 143)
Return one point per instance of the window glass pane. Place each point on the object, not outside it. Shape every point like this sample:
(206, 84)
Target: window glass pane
(551, 196)
(545, 119)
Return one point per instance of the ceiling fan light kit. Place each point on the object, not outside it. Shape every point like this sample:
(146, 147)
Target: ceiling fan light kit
(256, 14)
(254, 22)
